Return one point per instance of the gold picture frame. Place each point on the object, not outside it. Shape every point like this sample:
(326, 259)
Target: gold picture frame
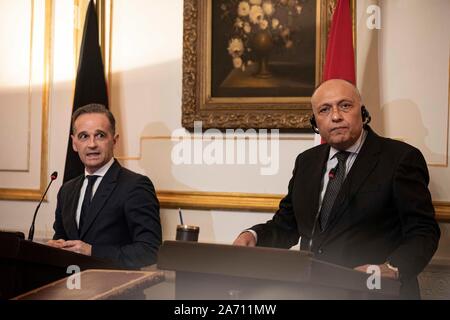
(202, 99)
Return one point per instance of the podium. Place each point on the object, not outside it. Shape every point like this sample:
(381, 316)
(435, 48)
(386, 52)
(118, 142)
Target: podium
(26, 265)
(99, 284)
(215, 271)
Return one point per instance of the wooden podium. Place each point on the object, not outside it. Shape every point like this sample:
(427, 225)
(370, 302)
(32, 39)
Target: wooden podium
(99, 285)
(214, 271)
(26, 265)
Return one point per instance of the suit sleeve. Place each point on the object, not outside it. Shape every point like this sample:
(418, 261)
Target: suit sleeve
(58, 224)
(143, 222)
(420, 230)
(281, 231)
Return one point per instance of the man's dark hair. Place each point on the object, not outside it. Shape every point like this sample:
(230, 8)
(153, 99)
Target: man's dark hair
(94, 108)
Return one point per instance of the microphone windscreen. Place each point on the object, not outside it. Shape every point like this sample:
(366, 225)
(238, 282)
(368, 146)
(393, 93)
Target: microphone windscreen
(54, 175)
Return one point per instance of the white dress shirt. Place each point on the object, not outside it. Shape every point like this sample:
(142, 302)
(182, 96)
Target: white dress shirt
(100, 173)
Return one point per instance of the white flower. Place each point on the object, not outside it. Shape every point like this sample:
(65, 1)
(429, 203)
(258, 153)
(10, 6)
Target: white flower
(285, 33)
(256, 2)
(237, 62)
(235, 47)
(239, 23)
(289, 44)
(256, 14)
(275, 23)
(263, 24)
(247, 27)
(268, 8)
(243, 9)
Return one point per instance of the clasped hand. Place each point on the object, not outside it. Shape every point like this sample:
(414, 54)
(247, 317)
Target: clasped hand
(77, 246)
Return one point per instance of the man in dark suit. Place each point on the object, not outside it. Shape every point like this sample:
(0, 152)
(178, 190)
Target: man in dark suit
(357, 200)
(109, 212)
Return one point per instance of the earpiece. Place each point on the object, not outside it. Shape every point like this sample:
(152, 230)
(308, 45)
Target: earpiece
(312, 120)
(366, 118)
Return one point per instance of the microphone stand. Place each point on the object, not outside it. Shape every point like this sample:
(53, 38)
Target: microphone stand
(31, 232)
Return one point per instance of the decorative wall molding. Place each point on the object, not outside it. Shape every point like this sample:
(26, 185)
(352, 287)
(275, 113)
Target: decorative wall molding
(256, 202)
(219, 200)
(35, 194)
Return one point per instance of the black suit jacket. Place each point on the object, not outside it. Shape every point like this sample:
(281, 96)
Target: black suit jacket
(123, 222)
(383, 211)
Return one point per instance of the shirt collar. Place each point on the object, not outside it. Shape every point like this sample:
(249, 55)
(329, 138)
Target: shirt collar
(102, 171)
(352, 149)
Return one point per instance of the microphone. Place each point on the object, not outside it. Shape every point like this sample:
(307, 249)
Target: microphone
(332, 173)
(31, 232)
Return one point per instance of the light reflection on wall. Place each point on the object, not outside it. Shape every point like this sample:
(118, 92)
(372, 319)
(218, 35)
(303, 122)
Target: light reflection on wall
(15, 43)
(162, 26)
(63, 43)
(22, 47)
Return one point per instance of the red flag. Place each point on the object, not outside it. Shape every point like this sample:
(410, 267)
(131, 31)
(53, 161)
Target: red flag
(340, 58)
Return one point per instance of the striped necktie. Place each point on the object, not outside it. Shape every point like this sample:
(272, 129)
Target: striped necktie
(333, 187)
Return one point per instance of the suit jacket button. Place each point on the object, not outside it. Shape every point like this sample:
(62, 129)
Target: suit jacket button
(320, 251)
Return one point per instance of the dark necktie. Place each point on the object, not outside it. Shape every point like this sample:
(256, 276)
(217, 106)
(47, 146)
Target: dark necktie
(87, 200)
(333, 187)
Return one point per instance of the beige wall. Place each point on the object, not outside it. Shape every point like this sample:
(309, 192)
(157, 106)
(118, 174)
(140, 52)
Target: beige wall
(21, 92)
(402, 73)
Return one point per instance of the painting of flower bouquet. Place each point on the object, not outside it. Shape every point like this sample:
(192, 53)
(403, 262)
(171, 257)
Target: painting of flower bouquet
(269, 45)
(258, 28)
(253, 63)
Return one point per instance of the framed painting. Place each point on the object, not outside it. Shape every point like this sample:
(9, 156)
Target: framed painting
(253, 63)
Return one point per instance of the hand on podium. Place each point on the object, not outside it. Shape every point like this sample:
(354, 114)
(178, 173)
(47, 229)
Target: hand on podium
(245, 239)
(386, 270)
(56, 243)
(72, 245)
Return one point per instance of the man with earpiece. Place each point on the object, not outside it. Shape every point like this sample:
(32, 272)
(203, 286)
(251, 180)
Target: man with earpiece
(357, 200)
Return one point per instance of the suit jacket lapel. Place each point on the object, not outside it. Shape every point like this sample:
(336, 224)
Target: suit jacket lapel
(102, 194)
(365, 163)
(370, 155)
(69, 218)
